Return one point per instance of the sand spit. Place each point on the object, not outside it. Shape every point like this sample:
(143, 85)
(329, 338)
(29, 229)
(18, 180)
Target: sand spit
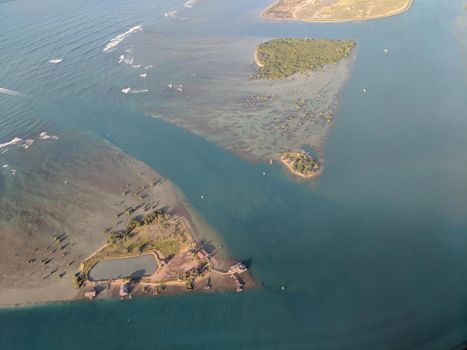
(61, 205)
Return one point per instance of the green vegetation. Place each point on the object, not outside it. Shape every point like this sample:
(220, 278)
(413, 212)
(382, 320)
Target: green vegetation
(281, 58)
(132, 224)
(155, 232)
(167, 247)
(78, 280)
(157, 215)
(301, 163)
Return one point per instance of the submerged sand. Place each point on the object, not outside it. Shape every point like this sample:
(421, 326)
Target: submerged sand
(74, 186)
(205, 86)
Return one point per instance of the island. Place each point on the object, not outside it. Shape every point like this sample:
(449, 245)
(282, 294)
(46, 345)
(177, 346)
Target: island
(156, 253)
(301, 164)
(255, 98)
(78, 212)
(282, 58)
(334, 10)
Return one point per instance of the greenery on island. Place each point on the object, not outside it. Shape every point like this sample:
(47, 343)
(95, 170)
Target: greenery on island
(78, 280)
(301, 162)
(154, 232)
(281, 58)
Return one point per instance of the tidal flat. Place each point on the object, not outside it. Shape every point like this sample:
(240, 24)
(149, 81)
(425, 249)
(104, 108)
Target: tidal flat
(62, 195)
(207, 87)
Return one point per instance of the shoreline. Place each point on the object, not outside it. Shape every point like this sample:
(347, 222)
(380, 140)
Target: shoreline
(257, 61)
(172, 289)
(395, 13)
(294, 172)
(85, 206)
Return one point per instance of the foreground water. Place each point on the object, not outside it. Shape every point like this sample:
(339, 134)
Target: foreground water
(373, 254)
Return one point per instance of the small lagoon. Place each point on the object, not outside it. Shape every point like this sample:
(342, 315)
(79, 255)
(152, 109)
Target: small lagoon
(132, 267)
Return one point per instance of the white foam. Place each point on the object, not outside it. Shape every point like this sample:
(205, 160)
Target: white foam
(147, 67)
(144, 75)
(119, 38)
(13, 171)
(121, 58)
(10, 92)
(44, 136)
(138, 91)
(27, 144)
(128, 60)
(190, 3)
(136, 66)
(14, 141)
(56, 60)
(171, 14)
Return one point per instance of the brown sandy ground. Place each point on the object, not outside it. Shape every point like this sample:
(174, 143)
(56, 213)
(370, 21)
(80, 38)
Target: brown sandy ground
(335, 10)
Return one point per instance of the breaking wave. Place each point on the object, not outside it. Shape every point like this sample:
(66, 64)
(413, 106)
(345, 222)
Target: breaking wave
(14, 141)
(190, 3)
(171, 14)
(44, 136)
(119, 38)
(56, 60)
(10, 92)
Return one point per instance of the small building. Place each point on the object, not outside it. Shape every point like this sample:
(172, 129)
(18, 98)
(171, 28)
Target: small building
(90, 294)
(124, 290)
(238, 268)
(202, 254)
(238, 282)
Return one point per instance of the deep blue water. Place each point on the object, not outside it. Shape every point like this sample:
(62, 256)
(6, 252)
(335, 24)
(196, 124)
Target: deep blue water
(374, 253)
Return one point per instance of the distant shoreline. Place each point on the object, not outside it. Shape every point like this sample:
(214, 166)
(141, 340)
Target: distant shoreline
(323, 20)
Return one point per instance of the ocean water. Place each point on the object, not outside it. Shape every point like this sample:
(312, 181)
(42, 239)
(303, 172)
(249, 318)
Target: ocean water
(373, 253)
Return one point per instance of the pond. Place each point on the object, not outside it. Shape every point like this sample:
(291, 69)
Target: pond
(134, 267)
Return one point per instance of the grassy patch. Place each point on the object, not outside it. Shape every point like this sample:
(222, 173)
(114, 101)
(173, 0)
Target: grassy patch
(301, 162)
(155, 232)
(281, 58)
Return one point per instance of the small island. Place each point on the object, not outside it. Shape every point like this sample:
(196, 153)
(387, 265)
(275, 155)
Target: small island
(155, 254)
(282, 58)
(335, 10)
(301, 164)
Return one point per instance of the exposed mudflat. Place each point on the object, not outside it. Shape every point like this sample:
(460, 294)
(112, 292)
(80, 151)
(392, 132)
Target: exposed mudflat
(72, 187)
(205, 86)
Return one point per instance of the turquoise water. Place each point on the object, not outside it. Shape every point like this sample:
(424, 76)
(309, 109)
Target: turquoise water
(373, 253)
